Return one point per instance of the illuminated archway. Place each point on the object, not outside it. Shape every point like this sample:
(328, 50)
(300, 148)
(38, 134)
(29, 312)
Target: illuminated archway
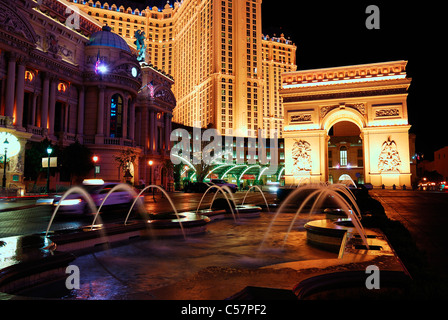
(231, 169)
(217, 168)
(343, 114)
(372, 96)
(247, 169)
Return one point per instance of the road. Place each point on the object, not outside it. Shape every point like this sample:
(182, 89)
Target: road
(36, 219)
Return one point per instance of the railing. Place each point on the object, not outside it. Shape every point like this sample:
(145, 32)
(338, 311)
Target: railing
(35, 130)
(109, 141)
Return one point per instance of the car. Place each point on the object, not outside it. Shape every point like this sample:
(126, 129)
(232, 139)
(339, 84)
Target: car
(76, 203)
(221, 183)
(197, 187)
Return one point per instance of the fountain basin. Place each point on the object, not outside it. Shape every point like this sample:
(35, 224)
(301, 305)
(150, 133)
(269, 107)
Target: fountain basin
(326, 234)
(241, 211)
(24, 263)
(329, 233)
(353, 282)
(335, 213)
(92, 236)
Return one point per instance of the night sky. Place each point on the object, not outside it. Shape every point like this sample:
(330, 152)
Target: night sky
(334, 34)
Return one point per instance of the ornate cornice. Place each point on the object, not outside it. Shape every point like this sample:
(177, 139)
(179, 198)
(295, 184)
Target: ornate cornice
(342, 94)
(329, 76)
(44, 62)
(91, 78)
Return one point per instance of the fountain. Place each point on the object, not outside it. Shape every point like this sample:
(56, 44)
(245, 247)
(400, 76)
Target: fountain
(261, 191)
(121, 186)
(348, 181)
(223, 190)
(320, 191)
(169, 199)
(227, 250)
(322, 194)
(78, 190)
(301, 180)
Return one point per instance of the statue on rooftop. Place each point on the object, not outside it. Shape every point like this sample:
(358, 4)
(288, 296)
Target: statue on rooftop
(140, 43)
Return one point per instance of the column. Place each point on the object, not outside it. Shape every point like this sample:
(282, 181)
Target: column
(132, 121)
(167, 132)
(125, 118)
(100, 115)
(20, 93)
(34, 109)
(365, 137)
(323, 155)
(138, 131)
(52, 106)
(145, 139)
(45, 98)
(81, 101)
(152, 127)
(10, 86)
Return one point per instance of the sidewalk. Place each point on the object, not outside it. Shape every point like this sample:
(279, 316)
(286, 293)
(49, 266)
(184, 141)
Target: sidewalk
(423, 213)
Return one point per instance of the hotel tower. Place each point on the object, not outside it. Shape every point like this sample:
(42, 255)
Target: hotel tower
(227, 73)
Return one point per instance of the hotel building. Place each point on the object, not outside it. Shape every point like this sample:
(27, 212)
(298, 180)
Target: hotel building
(81, 83)
(226, 72)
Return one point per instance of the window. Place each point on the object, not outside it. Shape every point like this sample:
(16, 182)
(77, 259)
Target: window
(360, 153)
(116, 116)
(343, 156)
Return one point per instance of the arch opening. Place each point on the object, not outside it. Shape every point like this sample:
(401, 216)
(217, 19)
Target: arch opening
(345, 153)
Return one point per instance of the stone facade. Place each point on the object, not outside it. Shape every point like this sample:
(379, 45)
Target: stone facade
(51, 88)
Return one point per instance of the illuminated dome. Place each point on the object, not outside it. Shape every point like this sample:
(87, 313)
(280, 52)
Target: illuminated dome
(107, 38)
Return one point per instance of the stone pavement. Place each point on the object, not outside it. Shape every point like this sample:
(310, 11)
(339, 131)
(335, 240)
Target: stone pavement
(425, 215)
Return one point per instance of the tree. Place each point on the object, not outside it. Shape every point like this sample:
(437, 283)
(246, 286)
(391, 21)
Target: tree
(77, 160)
(34, 153)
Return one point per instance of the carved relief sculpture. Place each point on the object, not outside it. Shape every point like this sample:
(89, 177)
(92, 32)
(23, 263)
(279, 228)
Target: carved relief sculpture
(300, 118)
(389, 159)
(387, 113)
(51, 43)
(301, 154)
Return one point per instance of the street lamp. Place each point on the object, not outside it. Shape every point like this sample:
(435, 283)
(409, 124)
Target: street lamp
(5, 146)
(95, 160)
(49, 151)
(150, 162)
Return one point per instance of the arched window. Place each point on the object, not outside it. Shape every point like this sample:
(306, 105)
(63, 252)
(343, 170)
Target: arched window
(343, 156)
(116, 116)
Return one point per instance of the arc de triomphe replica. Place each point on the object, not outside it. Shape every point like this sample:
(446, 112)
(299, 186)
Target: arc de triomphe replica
(372, 96)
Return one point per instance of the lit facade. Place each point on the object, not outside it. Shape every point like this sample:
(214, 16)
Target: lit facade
(279, 56)
(83, 84)
(371, 96)
(227, 73)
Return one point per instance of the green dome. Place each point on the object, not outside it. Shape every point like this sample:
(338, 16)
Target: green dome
(107, 38)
